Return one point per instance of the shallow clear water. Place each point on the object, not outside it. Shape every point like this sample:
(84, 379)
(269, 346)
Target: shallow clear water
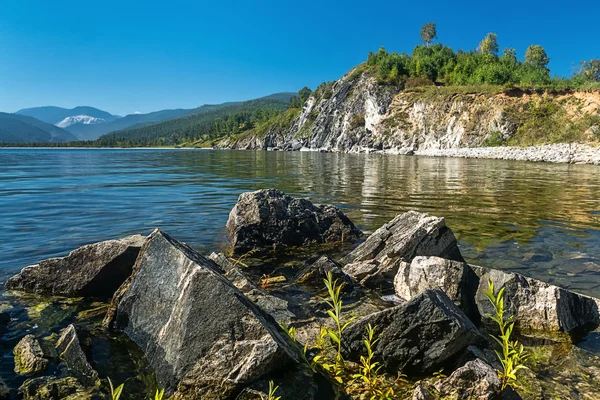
(539, 219)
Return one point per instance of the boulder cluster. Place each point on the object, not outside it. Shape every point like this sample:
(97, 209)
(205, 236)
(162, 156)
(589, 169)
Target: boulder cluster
(209, 330)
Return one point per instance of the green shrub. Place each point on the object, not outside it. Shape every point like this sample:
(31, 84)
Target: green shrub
(357, 121)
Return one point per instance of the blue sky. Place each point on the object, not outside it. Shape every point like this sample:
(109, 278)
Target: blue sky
(127, 56)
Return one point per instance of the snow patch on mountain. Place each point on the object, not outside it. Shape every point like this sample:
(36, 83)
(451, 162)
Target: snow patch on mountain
(79, 119)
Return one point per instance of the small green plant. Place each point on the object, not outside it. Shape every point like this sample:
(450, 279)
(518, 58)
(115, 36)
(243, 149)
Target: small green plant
(335, 335)
(512, 354)
(369, 379)
(159, 394)
(115, 393)
(272, 390)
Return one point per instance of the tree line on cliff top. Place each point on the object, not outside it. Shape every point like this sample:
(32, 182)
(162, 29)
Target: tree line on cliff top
(436, 63)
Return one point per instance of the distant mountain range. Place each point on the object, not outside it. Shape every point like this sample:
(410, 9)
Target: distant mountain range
(15, 128)
(55, 124)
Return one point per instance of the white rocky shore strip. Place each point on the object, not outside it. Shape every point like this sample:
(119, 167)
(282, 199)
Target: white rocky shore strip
(572, 153)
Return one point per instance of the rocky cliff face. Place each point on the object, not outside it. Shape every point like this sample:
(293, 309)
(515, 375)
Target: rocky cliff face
(357, 113)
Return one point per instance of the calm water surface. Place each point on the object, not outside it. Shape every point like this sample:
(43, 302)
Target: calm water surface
(540, 219)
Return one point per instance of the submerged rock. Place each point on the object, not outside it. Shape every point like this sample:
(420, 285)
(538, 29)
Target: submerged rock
(93, 270)
(376, 261)
(268, 219)
(203, 337)
(313, 273)
(4, 391)
(475, 380)
(29, 356)
(419, 337)
(51, 388)
(71, 352)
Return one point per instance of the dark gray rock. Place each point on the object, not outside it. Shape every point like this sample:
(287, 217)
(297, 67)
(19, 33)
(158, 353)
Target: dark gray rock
(405, 237)
(421, 336)
(29, 356)
(72, 346)
(475, 380)
(313, 273)
(421, 393)
(539, 307)
(203, 337)
(454, 278)
(4, 391)
(268, 219)
(93, 270)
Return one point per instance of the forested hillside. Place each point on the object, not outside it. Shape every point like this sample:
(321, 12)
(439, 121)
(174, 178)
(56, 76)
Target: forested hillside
(15, 128)
(203, 124)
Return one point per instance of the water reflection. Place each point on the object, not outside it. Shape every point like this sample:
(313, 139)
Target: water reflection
(504, 213)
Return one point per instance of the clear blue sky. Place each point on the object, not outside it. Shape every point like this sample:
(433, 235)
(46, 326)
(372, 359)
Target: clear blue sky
(127, 56)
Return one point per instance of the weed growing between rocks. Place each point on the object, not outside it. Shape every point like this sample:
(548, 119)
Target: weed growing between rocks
(272, 391)
(512, 354)
(115, 393)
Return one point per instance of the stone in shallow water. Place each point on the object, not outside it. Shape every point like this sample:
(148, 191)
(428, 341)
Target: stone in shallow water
(96, 269)
(268, 219)
(29, 356)
(51, 388)
(71, 347)
(376, 261)
(203, 337)
(474, 380)
(315, 272)
(418, 337)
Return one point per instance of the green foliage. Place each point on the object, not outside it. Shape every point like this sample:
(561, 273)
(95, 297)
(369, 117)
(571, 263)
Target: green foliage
(536, 56)
(159, 394)
(512, 355)
(428, 33)
(489, 45)
(589, 71)
(272, 390)
(357, 121)
(115, 393)
(494, 139)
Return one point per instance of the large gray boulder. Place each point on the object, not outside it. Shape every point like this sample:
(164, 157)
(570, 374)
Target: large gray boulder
(376, 261)
(539, 308)
(418, 337)
(268, 219)
(475, 380)
(203, 337)
(96, 269)
(454, 278)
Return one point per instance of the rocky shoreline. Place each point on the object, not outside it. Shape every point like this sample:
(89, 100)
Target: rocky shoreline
(219, 327)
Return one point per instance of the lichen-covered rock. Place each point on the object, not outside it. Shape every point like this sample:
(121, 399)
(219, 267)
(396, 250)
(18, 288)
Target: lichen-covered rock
(29, 356)
(96, 269)
(268, 219)
(539, 307)
(71, 347)
(421, 336)
(475, 380)
(421, 393)
(203, 337)
(52, 388)
(405, 237)
(313, 273)
(455, 278)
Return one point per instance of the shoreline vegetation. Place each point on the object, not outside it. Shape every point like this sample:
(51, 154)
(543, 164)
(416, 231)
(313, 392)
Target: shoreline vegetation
(434, 101)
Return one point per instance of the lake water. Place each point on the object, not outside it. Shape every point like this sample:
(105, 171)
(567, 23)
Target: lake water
(541, 220)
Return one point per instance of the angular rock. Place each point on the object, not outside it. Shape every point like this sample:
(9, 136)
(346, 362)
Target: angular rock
(93, 270)
(408, 235)
(71, 351)
(51, 388)
(454, 278)
(475, 380)
(268, 219)
(419, 337)
(29, 356)
(420, 393)
(202, 336)
(538, 306)
(314, 273)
